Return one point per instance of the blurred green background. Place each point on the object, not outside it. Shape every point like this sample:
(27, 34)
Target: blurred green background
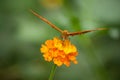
(22, 33)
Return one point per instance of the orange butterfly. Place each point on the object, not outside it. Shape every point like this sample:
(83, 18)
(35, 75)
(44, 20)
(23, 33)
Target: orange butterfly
(65, 33)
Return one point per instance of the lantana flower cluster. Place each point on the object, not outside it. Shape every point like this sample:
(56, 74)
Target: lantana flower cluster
(59, 51)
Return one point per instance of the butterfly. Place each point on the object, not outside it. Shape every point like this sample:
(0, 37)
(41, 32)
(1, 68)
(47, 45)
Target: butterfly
(65, 33)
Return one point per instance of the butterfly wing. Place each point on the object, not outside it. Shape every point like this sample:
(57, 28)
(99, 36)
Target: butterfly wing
(48, 22)
(85, 31)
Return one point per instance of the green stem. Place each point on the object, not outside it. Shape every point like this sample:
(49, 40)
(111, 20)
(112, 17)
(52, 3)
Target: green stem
(52, 73)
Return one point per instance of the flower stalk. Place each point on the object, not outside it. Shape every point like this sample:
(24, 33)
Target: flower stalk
(52, 73)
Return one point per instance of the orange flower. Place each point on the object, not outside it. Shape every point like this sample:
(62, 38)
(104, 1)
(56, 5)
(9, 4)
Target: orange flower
(59, 51)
